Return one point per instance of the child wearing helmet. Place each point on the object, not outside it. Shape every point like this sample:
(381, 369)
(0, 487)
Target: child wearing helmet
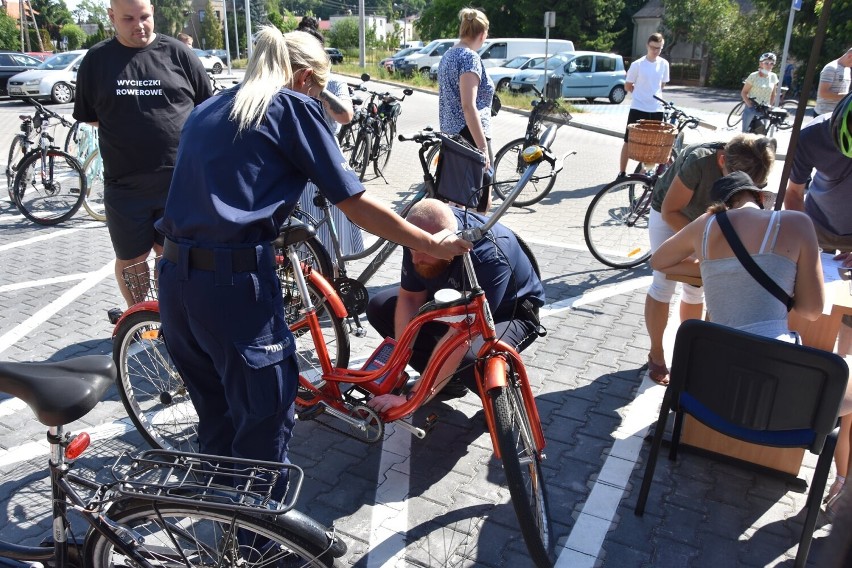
(759, 88)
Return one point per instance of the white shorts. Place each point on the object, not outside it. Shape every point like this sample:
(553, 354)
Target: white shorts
(662, 289)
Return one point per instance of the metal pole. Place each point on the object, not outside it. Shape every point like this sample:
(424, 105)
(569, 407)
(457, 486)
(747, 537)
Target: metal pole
(225, 29)
(362, 37)
(786, 48)
(236, 30)
(249, 46)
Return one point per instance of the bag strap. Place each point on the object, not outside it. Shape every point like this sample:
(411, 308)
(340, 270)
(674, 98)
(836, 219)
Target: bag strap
(748, 262)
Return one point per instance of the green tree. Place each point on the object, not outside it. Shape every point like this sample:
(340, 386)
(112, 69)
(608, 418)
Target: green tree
(344, 34)
(91, 12)
(285, 23)
(10, 38)
(74, 34)
(704, 23)
(170, 15)
(211, 28)
(98, 36)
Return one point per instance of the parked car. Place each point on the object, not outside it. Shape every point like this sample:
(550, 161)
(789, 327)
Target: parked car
(422, 60)
(12, 63)
(503, 75)
(211, 63)
(334, 54)
(586, 75)
(40, 55)
(390, 63)
(54, 79)
(433, 71)
(500, 50)
(220, 53)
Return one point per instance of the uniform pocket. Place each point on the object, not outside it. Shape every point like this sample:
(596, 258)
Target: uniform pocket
(268, 349)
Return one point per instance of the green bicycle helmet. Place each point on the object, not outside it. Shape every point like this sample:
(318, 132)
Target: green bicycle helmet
(841, 126)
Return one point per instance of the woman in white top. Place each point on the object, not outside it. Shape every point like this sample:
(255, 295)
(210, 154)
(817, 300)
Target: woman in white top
(760, 86)
(782, 243)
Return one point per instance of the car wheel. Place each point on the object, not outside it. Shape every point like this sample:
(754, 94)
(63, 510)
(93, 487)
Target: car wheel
(617, 94)
(62, 93)
(503, 85)
(217, 68)
(425, 72)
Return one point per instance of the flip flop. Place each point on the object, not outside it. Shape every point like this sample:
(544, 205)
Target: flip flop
(658, 373)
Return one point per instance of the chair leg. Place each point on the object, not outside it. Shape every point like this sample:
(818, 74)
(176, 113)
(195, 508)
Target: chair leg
(676, 431)
(814, 497)
(652, 455)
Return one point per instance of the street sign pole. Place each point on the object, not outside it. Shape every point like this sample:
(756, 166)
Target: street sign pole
(795, 6)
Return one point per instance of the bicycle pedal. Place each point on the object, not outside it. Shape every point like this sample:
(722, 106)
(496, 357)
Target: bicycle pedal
(114, 315)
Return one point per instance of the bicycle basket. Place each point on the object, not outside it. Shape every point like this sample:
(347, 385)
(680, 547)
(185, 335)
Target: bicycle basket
(141, 280)
(650, 141)
(390, 109)
(553, 89)
(460, 171)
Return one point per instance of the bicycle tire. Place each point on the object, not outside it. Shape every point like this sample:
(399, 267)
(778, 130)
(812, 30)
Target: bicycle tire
(361, 153)
(311, 253)
(347, 135)
(736, 114)
(791, 106)
(59, 197)
(174, 534)
(508, 168)
(616, 223)
(383, 153)
(525, 248)
(150, 388)
(433, 156)
(16, 152)
(522, 466)
(94, 202)
(72, 140)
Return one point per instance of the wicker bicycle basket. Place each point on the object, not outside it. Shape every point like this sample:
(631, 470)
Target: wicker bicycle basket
(650, 141)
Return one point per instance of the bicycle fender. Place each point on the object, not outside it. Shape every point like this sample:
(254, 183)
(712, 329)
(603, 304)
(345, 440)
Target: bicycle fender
(327, 290)
(495, 373)
(146, 306)
(312, 531)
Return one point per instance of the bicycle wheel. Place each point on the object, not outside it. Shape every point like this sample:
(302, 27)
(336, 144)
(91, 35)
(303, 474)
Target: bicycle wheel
(175, 535)
(791, 106)
(509, 166)
(361, 153)
(432, 157)
(311, 252)
(150, 387)
(616, 223)
(72, 141)
(347, 135)
(385, 146)
(736, 114)
(49, 189)
(94, 202)
(16, 152)
(522, 466)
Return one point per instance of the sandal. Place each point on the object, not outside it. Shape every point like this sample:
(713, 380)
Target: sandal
(658, 373)
(834, 490)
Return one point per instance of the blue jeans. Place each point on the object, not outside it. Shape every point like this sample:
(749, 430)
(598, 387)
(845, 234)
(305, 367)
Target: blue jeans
(748, 115)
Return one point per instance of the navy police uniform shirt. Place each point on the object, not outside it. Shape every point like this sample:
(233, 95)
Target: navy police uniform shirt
(503, 270)
(231, 188)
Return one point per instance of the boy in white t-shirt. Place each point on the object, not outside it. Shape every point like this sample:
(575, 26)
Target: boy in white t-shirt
(645, 79)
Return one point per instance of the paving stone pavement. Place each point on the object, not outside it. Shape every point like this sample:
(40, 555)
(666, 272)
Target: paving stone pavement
(441, 501)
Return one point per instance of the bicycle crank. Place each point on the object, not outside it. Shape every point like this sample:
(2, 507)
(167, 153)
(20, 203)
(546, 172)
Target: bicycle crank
(364, 423)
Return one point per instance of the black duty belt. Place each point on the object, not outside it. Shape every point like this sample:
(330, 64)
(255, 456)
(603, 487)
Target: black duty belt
(242, 259)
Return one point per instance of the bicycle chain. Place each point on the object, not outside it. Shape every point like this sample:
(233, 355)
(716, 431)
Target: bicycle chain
(350, 430)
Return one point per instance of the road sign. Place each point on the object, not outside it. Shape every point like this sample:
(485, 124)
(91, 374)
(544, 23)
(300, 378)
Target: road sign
(797, 4)
(550, 19)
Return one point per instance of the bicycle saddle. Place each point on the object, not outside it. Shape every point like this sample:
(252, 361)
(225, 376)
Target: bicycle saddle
(59, 392)
(294, 231)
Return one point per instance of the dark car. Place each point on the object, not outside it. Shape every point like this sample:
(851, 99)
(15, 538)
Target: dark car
(12, 63)
(334, 55)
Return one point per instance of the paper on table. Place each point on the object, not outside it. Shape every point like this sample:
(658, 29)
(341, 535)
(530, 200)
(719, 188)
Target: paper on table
(830, 273)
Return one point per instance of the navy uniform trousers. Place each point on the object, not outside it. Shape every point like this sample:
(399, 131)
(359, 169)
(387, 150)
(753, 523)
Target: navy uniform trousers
(229, 340)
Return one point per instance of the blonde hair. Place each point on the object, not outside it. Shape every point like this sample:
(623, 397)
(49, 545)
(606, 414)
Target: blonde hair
(473, 23)
(754, 155)
(275, 58)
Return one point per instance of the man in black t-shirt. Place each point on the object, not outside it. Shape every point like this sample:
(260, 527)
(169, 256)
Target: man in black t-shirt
(138, 88)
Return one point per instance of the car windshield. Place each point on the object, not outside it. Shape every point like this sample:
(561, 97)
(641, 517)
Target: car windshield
(428, 49)
(58, 61)
(201, 53)
(404, 52)
(517, 62)
(552, 63)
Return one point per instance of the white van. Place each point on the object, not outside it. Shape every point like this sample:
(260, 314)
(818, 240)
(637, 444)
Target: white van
(423, 59)
(500, 50)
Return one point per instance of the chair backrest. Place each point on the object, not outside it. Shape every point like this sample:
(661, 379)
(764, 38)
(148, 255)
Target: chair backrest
(757, 383)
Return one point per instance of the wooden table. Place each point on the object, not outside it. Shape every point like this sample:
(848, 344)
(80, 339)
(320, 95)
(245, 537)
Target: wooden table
(821, 334)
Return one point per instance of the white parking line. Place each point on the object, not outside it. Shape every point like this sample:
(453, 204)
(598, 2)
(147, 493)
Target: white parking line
(43, 282)
(50, 235)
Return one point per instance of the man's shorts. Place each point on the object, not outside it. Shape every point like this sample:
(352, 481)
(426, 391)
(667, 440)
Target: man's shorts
(636, 115)
(133, 204)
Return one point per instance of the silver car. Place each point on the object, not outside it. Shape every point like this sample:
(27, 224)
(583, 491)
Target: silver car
(54, 79)
(212, 64)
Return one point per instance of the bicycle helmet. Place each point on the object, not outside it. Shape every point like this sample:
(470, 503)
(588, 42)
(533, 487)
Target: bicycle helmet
(768, 55)
(841, 126)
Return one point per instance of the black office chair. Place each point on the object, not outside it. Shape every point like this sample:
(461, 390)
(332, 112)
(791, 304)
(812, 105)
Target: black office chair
(758, 390)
